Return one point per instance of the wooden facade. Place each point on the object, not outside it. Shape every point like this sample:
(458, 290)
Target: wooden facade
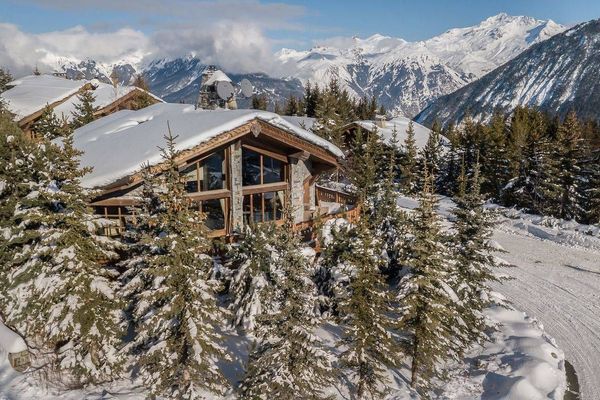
(240, 177)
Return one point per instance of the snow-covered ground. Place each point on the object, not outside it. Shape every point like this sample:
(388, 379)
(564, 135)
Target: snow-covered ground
(556, 271)
(556, 279)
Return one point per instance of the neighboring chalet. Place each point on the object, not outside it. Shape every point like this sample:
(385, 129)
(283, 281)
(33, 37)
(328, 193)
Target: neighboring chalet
(385, 128)
(238, 165)
(27, 97)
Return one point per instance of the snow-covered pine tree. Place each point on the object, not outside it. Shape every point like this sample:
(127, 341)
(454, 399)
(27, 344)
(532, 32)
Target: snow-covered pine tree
(534, 187)
(428, 306)
(567, 152)
(365, 313)
(409, 163)
(387, 220)
(451, 162)
(48, 125)
(84, 110)
(591, 185)
(15, 169)
(494, 172)
(65, 293)
(177, 318)
(288, 359)
(364, 163)
(473, 255)
(252, 276)
(431, 154)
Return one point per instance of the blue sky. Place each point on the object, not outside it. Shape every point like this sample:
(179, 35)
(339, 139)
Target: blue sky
(238, 35)
(305, 21)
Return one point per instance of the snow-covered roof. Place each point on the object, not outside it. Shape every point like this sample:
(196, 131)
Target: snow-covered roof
(31, 94)
(217, 76)
(118, 144)
(401, 124)
(301, 122)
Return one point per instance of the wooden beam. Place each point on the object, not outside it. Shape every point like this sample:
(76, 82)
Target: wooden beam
(301, 155)
(266, 187)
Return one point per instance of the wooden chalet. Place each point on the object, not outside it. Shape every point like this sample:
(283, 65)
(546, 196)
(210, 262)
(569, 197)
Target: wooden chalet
(238, 165)
(385, 129)
(27, 97)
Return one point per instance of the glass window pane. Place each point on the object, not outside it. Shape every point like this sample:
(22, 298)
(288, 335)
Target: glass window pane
(273, 170)
(257, 207)
(212, 174)
(279, 199)
(269, 198)
(214, 213)
(190, 178)
(247, 210)
(250, 167)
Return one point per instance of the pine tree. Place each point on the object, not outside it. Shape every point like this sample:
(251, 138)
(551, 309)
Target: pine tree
(85, 110)
(5, 79)
(144, 100)
(67, 306)
(567, 153)
(177, 318)
(259, 102)
(370, 346)
(15, 170)
(364, 163)
(47, 126)
(473, 254)
(431, 154)
(311, 99)
(292, 107)
(452, 162)
(428, 306)
(387, 220)
(288, 360)
(409, 164)
(495, 170)
(252, 276)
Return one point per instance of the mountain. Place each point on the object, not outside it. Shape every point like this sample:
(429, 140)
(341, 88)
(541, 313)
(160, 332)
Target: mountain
(178, 80)
(406, 76)
(556, 75)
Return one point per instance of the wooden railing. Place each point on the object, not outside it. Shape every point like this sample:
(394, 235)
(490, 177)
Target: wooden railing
(333, 196)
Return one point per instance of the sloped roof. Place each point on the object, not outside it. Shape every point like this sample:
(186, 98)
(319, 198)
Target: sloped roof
(401, 124)
(118, 144)
(217, 76)
(32, 93)
(301, 122)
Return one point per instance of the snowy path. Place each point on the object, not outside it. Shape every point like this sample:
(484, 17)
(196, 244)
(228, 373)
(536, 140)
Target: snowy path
(559, 285)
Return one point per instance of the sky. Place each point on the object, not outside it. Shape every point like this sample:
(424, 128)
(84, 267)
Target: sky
(238, 33)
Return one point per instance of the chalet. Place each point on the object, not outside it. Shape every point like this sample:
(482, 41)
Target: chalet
(238, 165)
(27, 97)
(385, 129)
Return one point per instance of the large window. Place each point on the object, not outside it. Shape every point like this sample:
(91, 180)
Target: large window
(206, 174)
(214, 211)
(119, 217)
(263, 207)
(258, 169)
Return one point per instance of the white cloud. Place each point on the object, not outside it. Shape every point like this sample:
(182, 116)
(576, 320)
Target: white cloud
(21, 51)
(229, 33)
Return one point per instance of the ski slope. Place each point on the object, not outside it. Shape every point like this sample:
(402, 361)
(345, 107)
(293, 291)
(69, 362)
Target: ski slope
(555, 271)
(560, 285)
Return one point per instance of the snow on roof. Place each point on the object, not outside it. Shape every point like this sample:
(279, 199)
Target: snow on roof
(401, 124)
(31, 94)
(217, 76)
(10, 342)
(118, 144)
(301, 122)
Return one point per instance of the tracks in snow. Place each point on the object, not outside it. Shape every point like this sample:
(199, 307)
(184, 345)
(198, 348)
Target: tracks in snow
(559, 285)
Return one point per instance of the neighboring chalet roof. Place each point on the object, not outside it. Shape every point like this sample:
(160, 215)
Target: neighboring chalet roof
(401, 124)
(31, 94)
(117, 145)
(301, 122)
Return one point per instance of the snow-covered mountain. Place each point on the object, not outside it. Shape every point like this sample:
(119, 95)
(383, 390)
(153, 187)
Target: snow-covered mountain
(556, 75)
(403, 76)
(178, 80)
(406, 76)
